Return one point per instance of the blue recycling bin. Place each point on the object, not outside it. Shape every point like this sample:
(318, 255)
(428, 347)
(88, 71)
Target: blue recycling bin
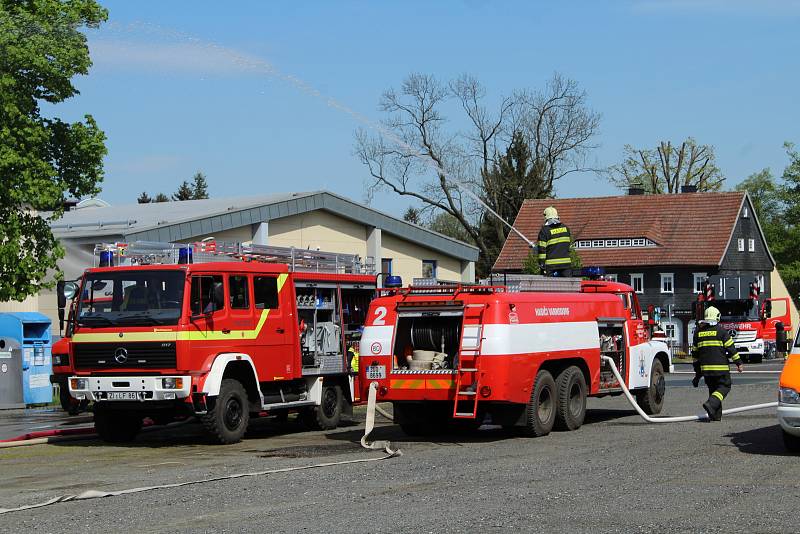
(31, 331)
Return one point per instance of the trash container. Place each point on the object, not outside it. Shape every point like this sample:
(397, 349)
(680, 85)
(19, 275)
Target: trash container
(10, 374)
(31, 331)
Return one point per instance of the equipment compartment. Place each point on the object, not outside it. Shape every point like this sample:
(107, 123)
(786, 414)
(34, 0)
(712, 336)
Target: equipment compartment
(612, 344)
(431, 332)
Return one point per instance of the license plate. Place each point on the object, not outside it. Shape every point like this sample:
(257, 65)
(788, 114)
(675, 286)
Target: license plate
(376, 372)
(122, 395)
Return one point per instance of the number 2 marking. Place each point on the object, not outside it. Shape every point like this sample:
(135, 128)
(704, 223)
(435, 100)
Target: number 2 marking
(380, 316)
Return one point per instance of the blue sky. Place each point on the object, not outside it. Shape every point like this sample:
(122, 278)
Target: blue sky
(184, 86)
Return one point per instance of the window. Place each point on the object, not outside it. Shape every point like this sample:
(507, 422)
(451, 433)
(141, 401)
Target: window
(639, 242)
(611, 243)
(240, 296)
(597, 243)
(751, 245)
(428, 268)
(669, 329)
(760, 282)
(740, 243)
(745, 213)
(698, 282)
(386, 266)
(265, 292)
(611, 277)
(667, 283)
(208, 294)
(637, 282)
(624, 242)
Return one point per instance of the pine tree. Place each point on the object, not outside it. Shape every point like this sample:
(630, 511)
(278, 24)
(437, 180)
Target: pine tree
(200, 186)
(161, 197)
(144, 198)
(184, 192)
(412, 215)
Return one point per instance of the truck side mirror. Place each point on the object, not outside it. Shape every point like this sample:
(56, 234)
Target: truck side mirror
(62, 297)
(698, 311)
(651, 315)
(781, 341)
(766, 311)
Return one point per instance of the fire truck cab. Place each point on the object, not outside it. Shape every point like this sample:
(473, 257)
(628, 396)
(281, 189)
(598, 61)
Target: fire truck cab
(164, 331)
(527, 356)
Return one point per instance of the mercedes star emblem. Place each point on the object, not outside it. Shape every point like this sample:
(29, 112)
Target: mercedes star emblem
(121, 355)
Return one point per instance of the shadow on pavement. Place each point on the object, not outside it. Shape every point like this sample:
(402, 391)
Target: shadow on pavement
(764, 441)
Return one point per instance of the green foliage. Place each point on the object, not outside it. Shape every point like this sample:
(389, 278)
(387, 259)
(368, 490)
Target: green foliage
(199, 186)
(144, 198)
(777, 204)
(412, 215)
(184, 192)
(161, 197)
(446, 224)
(515, 176)
(42, 160)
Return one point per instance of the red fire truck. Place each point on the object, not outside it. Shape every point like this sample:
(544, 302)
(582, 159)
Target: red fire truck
(163, 331)
(528, 357)
(750, 322)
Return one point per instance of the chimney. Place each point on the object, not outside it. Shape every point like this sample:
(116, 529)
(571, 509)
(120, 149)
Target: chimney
(635, 189)
(688, 189)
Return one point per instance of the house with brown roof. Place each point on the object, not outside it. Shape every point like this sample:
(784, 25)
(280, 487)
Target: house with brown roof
(664, 246)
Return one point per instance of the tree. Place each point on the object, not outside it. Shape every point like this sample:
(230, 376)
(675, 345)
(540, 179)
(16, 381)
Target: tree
(412, 215)
(161, 197)
(43, 160)
(668, 167)
(446, 224)
(184, 192)
(417, 155)
(199, 186)
(144, 198)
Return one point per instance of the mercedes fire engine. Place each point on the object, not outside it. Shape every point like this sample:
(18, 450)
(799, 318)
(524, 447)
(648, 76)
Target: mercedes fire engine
(220, 331)
(751, 322)
(527, 356)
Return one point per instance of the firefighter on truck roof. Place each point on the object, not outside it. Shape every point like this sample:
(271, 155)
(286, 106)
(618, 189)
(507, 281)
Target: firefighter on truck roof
(711, 348)
(554, 245)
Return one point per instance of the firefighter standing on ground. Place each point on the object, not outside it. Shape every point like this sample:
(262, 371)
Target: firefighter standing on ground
(711, 348)
(554, 245)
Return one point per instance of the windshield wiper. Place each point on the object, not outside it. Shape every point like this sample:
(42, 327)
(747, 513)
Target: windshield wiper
(140, 317)
(95, 320)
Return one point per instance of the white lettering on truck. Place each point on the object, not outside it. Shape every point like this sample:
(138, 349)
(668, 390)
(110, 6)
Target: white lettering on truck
(549, 312)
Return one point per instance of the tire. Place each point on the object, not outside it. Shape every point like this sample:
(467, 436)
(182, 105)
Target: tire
(540, 414)
(117, 426)
(791, 442)
(227, 421)
(651, 400)
(328, 414)
(571, 391)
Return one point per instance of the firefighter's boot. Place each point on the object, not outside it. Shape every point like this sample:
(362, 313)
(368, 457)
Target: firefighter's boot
(709, 411)
(713, 407)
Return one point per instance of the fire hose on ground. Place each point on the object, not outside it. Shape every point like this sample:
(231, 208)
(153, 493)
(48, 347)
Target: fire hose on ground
(679, 419)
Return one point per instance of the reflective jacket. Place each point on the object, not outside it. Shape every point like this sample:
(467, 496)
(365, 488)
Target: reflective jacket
(554, 243)
(711, 348)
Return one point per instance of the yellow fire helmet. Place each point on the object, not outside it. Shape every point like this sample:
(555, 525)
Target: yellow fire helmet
(550, 213)
(712, 314)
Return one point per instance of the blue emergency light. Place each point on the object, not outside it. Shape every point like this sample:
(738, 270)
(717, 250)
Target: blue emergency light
(593, 273)
(185, 255)
(393, 281)
(106, 258)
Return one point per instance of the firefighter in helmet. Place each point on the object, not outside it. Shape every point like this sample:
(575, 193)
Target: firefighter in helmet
(711, 348)
(554, 245)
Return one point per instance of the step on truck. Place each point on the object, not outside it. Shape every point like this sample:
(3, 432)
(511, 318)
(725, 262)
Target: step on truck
(751, 319)
(219, 331)
(528, 356)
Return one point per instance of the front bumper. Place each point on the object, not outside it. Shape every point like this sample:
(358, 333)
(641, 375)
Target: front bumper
(789, 418)
(129, 388)
(752, 347)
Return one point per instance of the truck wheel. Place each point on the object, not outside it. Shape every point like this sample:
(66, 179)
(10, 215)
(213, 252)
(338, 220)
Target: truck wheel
(651, 399)
(540, 414)
(571, 391)
(791, 442)
(327, 415)
(117, 426)
(227, 421)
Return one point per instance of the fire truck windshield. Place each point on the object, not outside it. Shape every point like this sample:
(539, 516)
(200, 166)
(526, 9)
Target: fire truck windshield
(737, 310)
(131, 298)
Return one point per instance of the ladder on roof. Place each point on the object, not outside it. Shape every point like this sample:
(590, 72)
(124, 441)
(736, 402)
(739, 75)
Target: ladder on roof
(468, 370)
(297, 259)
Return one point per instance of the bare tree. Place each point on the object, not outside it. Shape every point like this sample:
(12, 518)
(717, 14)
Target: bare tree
(417, 153)
(667, 168)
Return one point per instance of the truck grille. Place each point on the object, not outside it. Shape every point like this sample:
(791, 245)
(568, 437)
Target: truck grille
(745, 336)
(143, 355)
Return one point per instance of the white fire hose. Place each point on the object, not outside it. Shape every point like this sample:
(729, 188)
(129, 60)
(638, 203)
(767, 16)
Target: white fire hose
(681, 419)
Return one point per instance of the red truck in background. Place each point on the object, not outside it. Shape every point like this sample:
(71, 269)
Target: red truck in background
(750, 319)
(220, 331)
(450, 355)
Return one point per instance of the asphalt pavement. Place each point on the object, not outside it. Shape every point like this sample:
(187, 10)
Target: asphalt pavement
(615, 474)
